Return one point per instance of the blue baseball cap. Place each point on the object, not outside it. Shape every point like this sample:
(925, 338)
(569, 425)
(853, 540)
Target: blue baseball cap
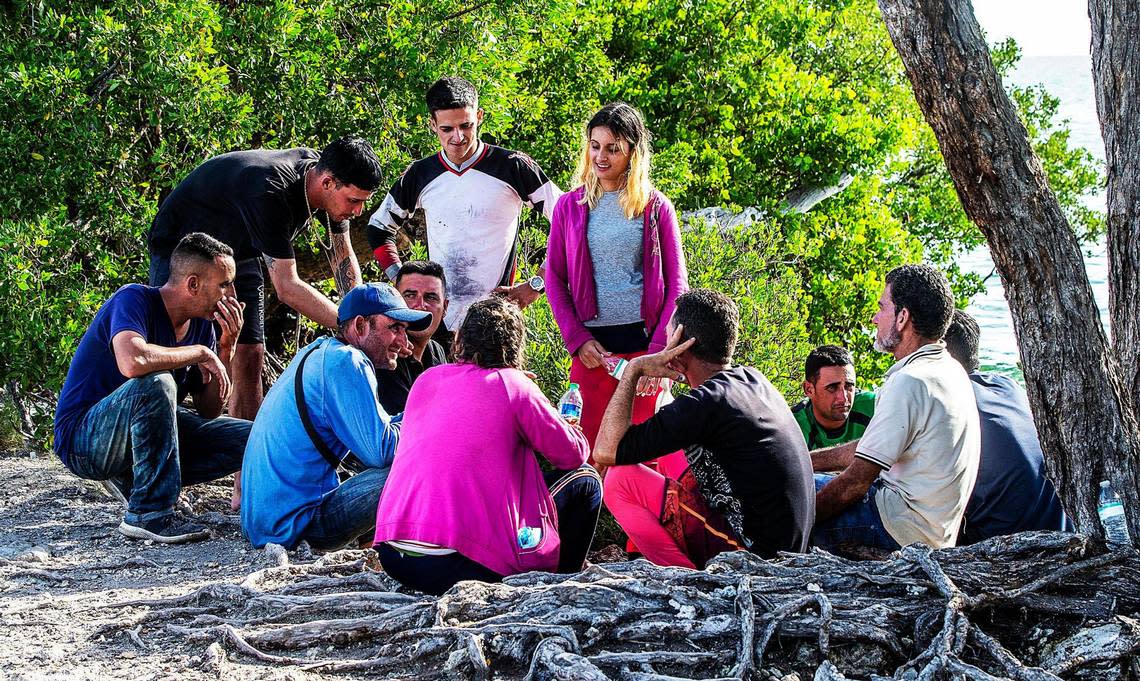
(369, 299)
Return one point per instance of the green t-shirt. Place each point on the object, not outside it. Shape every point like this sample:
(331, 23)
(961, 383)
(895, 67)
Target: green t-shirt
(817, 437)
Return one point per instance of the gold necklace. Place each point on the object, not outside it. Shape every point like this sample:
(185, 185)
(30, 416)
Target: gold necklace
(312, 216)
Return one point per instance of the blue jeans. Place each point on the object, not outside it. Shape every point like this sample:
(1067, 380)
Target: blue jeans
(139, 435)
(348, 511)
(857, 525)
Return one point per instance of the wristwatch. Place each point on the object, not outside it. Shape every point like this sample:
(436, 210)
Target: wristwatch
(536, 282)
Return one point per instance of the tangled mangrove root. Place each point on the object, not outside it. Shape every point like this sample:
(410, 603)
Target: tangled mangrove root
(1029, 607)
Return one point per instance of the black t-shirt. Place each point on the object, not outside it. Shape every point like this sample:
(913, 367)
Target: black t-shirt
(392, 387)
(750, 444)
(252, 201)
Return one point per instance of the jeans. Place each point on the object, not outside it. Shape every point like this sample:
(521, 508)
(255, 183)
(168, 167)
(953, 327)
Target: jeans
(140, 435)
(348, 511)
(577, 496)
(858, 524)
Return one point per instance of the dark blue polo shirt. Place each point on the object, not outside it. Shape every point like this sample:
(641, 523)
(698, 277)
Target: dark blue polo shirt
(1013, 493)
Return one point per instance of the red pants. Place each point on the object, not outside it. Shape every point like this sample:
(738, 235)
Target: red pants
(597, 387)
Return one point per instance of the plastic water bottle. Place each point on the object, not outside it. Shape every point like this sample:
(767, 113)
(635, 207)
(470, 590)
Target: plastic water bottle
(1111, 512)
(570, 406)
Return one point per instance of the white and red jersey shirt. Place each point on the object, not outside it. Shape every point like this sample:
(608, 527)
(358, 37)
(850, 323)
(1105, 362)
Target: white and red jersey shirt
(472, 215)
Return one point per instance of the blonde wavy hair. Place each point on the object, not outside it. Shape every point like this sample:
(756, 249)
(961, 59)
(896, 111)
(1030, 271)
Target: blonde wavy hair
(626, 124)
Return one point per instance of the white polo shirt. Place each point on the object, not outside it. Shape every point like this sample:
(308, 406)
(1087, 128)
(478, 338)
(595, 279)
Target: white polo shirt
(926, 438)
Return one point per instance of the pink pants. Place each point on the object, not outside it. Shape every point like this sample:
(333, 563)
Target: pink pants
(636, 495)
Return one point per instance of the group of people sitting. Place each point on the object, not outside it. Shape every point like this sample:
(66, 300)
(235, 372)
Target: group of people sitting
(416, 429)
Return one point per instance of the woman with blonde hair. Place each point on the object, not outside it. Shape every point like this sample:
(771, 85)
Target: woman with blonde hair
(614, 262)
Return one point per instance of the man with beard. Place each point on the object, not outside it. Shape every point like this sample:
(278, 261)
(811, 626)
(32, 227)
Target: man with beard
(323, 407)
(909, 477)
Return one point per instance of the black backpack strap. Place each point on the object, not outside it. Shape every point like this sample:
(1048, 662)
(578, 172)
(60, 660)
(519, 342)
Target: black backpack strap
(303, 410)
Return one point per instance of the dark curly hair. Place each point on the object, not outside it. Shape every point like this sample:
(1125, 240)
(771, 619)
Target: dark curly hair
(924, 291)
(492, 335)
(712, 318)
(351, 160)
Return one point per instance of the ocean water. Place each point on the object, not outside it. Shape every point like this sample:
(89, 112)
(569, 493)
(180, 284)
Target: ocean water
(1070, 80)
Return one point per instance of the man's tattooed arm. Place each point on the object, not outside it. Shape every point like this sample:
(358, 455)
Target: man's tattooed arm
(346, 269)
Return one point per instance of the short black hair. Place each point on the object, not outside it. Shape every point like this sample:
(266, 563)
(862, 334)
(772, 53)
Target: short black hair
(712, 318)
(428, 268)
(451, 92)
(925, 292)
(492, 335)
(351, 160)
(962, 340)
(195, 250)
(826, 356)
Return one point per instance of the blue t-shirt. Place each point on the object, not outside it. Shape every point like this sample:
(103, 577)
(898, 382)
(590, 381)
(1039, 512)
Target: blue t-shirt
(1012, 493)
(94, 374)
(284, 477)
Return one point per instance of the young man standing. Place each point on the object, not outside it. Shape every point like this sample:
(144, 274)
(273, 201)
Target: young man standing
(324, 406)
(424, 287)
(832, 411)
(119, 418)
(749, 482)
(909, 477)
(257, 202)
(471, 194)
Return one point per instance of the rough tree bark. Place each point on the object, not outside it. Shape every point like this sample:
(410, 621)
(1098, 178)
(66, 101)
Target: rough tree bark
(1078, 399)
(1116, 63)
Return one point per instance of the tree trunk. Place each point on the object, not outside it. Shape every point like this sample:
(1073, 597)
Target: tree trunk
(1116, 63)
(1074, 385)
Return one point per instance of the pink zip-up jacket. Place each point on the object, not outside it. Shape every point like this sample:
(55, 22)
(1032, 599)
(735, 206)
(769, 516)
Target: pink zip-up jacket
(570, 271)
(465, 475)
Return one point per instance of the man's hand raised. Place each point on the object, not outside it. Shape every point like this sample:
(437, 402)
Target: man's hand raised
(660, 364)
(230, 320)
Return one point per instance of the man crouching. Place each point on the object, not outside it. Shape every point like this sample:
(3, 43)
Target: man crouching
(323, 407)
(119, 419)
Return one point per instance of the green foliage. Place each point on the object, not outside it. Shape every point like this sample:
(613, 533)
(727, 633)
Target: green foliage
(10, 436)
(108, 105)
(747, 264)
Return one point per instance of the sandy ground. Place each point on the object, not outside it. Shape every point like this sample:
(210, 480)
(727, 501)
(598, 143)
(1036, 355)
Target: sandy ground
(64, 566)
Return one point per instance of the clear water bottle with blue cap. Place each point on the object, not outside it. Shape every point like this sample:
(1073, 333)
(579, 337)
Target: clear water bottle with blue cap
(570, 406)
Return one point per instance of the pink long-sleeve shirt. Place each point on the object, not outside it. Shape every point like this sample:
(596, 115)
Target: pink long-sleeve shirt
(570, 285)
(465, 475)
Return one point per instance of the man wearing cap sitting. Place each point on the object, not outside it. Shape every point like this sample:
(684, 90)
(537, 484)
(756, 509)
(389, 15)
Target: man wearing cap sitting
(322, 408)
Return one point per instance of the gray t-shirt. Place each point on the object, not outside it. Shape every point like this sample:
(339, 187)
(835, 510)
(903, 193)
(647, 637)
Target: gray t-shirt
(616, 253)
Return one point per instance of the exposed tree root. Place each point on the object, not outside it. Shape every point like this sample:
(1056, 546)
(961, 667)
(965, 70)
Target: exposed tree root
(975, 612)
